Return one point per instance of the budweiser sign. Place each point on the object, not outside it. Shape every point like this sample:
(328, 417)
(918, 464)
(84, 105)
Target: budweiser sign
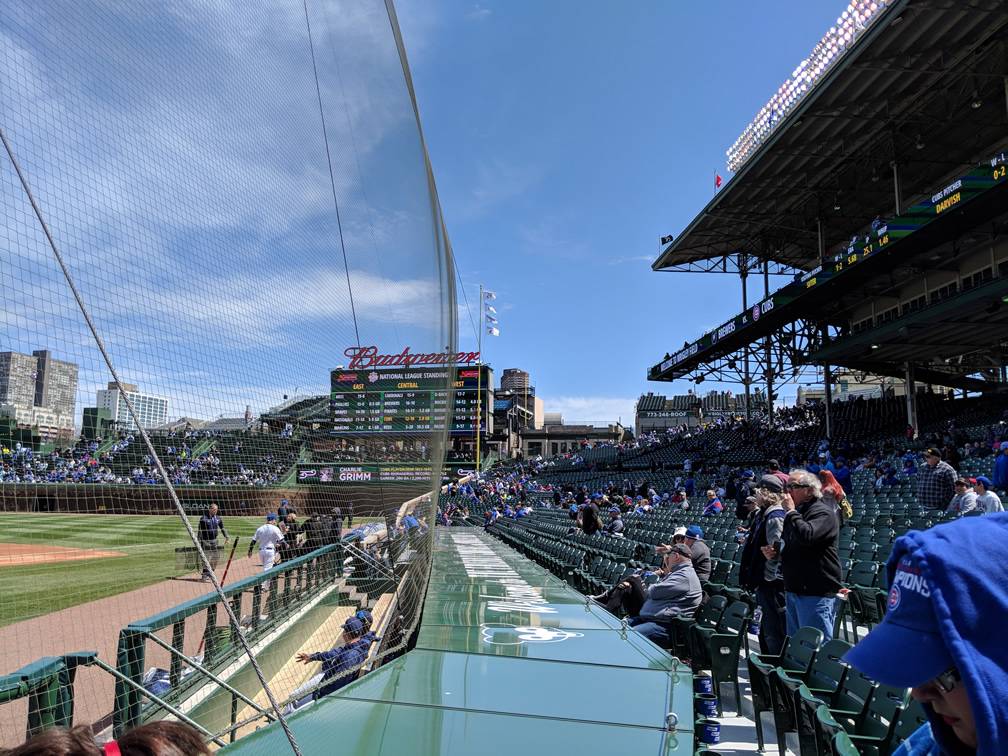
(362, 358)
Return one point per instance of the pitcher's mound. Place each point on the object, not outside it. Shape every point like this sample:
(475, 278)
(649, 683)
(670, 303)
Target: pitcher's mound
(18, 554)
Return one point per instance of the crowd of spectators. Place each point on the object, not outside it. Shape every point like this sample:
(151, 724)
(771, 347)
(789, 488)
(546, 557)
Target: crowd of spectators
(223, 459)
(935, 638)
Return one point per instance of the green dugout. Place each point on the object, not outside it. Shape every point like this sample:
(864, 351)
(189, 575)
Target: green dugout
(509, 660)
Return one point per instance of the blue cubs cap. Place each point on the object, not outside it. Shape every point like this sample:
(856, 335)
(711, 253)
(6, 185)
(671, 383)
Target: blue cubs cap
(613, 510)
(694, 531)
(748, 474)
(906, 649)
(354, 625)
(984, 481)
(271, 516)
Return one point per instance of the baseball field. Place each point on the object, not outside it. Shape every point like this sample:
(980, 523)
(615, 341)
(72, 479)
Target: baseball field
(53, 561)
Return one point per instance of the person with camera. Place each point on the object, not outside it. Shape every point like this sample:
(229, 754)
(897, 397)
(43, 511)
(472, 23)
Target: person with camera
(761, 574)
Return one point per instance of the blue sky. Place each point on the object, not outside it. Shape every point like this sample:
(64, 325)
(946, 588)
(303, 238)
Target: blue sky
(566, 137)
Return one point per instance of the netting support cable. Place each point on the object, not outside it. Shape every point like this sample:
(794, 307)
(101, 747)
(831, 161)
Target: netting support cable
(173, 494)
(465, 297)
(332, 176)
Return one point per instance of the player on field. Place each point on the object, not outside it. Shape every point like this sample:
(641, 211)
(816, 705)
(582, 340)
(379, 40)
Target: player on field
(267, 537)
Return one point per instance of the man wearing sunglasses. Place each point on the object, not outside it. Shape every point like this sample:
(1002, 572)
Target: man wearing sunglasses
(809, 560)
(942, 636)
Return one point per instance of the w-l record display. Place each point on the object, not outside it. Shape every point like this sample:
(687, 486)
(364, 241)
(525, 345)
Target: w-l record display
(407, 400)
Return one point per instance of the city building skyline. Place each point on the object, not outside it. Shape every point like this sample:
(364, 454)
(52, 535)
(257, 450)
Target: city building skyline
(40, 391)
(151, 410)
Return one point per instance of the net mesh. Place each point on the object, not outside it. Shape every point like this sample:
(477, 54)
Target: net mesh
(238, 200)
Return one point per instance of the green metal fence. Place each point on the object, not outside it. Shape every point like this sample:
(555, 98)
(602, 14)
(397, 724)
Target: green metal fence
(268, 599)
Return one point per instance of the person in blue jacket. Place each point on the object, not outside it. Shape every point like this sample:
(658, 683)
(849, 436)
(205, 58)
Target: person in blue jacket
(1000, 473)
(943, 635)
(344, 659)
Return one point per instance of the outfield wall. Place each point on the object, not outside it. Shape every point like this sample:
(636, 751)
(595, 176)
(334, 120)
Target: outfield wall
(369, 500)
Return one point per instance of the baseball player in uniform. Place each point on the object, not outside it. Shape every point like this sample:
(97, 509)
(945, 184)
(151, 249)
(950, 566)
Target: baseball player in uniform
(267, 537)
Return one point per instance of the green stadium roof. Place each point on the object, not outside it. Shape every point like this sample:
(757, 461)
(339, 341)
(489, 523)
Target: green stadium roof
(904, 92)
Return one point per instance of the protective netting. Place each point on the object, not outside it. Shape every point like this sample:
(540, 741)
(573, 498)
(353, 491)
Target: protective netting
(205, 210)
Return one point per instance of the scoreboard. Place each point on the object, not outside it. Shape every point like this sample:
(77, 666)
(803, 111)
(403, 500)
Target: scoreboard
(409, 400)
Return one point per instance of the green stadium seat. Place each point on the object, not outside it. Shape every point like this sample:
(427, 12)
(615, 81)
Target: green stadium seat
(796, 657)
(718, 649)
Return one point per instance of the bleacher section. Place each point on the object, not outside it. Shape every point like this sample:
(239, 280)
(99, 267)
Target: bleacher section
(191, 458)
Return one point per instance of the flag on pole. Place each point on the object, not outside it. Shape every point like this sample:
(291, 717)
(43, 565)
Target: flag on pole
(717, 181)
(491, 309)
(493, 331)
(489, 296)
(491, 320)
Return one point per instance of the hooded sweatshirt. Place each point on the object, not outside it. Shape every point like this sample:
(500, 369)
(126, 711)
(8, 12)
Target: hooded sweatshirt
(966, 564)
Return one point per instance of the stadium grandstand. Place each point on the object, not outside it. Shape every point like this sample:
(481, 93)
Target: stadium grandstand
(343, 573)
(880, 192)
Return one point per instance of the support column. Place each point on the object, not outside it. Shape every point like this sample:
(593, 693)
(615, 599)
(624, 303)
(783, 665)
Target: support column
(896, 187)
(768, 353)
(821, 240)
(827, 388)
(911, 398)
(744, 274)
(827, 385)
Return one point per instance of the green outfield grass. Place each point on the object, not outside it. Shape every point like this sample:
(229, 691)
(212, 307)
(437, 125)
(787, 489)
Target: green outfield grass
(148, 542)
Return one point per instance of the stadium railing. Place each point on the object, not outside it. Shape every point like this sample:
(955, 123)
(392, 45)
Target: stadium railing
(47, 683)
(267, 600)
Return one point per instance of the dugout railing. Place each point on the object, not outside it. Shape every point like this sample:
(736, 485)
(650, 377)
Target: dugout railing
(265, 602)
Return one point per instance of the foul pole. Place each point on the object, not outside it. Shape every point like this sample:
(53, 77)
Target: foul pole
(479, 380)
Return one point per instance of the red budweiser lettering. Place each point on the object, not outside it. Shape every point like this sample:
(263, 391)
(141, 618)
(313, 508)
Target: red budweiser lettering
(362, 358)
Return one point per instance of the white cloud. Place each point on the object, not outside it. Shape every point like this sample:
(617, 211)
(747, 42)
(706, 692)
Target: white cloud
(478, 13)
(592, 408)
(496, 182)
(633, 260)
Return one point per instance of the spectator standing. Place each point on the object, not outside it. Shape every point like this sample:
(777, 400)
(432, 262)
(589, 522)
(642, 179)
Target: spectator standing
(760, 574)
(987, 501)
(676, 594)
(935, 481)
(210, 525)
(842, 474)
(689, 486)
(810, 563)
(773, 468)
(743, 491)
(964, 500)
(589, 519)
(1000, 471)
(949, 589)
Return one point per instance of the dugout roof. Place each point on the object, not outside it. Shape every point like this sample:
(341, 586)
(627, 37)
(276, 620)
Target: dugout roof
(906, 92)
(502, 645)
